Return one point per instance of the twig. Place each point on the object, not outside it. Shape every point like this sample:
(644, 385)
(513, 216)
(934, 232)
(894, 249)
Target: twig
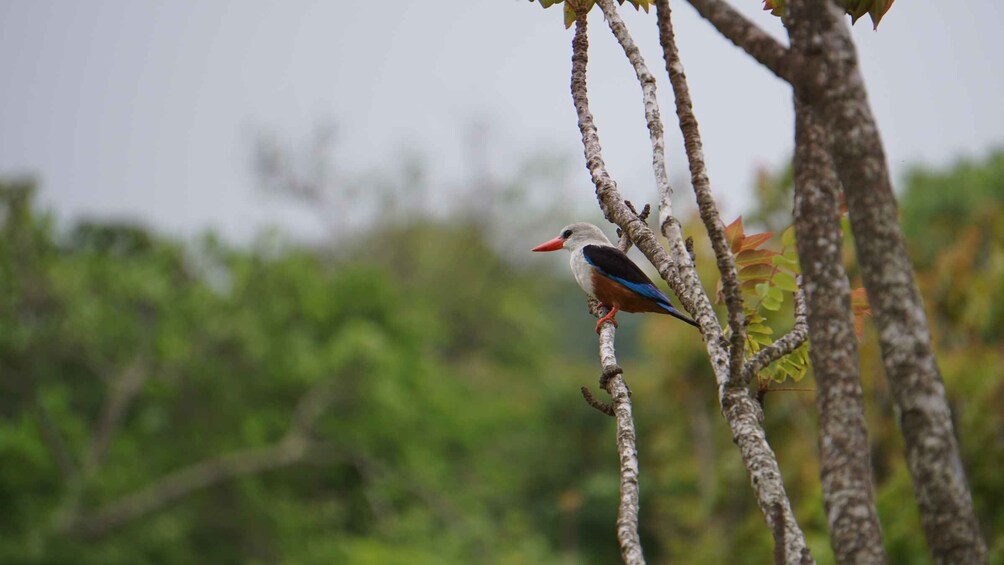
(595, 403)
(122, 391)
(724, 259)
(54, 440)
(783, 345)
(181, 483)
(291, 449)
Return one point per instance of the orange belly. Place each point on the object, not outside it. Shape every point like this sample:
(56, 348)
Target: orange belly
(612, 294)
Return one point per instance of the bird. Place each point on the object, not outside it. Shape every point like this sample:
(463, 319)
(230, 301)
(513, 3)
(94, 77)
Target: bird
(608, 275)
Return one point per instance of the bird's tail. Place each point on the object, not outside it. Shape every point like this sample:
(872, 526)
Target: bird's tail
(678, 315)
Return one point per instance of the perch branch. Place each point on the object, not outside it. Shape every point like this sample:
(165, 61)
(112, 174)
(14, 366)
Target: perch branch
(677, 269)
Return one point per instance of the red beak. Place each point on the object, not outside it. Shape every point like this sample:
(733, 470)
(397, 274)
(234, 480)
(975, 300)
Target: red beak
(552, 245)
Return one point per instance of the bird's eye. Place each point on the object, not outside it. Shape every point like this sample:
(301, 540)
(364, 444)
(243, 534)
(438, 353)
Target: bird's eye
(566, 234)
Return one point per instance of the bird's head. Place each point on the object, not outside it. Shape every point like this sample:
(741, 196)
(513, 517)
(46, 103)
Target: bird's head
(574, 236)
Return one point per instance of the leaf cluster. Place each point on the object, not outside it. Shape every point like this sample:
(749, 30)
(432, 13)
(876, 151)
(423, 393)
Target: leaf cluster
(876, 9)
(572, 6)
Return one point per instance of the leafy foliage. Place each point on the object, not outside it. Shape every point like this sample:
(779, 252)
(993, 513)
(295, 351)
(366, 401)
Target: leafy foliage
(766, 278)
(458, 432)
(875, 9)
(586, 5)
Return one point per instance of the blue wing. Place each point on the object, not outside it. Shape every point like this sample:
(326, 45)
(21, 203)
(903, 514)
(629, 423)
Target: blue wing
(615, 265)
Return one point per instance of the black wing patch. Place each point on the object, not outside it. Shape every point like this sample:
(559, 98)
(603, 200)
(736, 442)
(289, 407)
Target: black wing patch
(612, 263)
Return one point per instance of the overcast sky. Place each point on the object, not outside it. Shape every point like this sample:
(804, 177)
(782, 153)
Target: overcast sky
(143, 108)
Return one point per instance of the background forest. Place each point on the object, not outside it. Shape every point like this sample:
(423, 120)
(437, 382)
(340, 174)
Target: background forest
(411, 395)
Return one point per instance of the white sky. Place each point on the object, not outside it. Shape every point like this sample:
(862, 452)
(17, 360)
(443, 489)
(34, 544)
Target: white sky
(142, 108)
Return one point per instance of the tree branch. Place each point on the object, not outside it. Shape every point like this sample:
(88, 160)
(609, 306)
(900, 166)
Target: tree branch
(677, 269)
(783, 345)
(121, 393)
(291, 449)
(746, 35)
(54, 440)
(612, 380)
(844, 462)
(831, 83)
(184, 482)
(725, 261)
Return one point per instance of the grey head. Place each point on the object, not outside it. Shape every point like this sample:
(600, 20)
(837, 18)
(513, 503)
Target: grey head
(580, 234)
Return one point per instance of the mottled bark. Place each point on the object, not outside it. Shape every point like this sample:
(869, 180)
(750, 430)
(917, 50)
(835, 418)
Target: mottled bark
(844, 463)
(706, 205)
(627, 451)
(612, 380)
(741, 412)
(830, 81)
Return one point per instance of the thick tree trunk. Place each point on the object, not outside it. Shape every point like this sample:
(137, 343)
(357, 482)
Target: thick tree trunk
(829, 80)
(845, 468)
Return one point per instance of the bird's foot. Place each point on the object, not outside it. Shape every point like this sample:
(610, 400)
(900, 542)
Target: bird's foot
(608, 318)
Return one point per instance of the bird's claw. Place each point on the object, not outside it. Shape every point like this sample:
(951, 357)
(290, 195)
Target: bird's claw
(608, 318)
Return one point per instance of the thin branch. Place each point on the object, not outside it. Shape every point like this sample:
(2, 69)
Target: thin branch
(746, 35)
(677, 269)
(612, 379)
(122, 392)
(291, 449)
(54, 441)
(724, 259)
(783, 345)
(180, 484)
(596, 403)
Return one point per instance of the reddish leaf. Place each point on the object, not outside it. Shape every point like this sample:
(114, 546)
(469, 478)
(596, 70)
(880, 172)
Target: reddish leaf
(756, 270)
(861, 309)
(755, 240)
(735, 234)
(755, 257)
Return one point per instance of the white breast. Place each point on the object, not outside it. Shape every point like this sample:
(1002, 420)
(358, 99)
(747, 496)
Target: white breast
(583, 272)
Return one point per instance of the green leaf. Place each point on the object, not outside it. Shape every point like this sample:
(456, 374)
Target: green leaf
(788, 263)
(773, 299)
(759, 329)
(788, 237)
(785, 281)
